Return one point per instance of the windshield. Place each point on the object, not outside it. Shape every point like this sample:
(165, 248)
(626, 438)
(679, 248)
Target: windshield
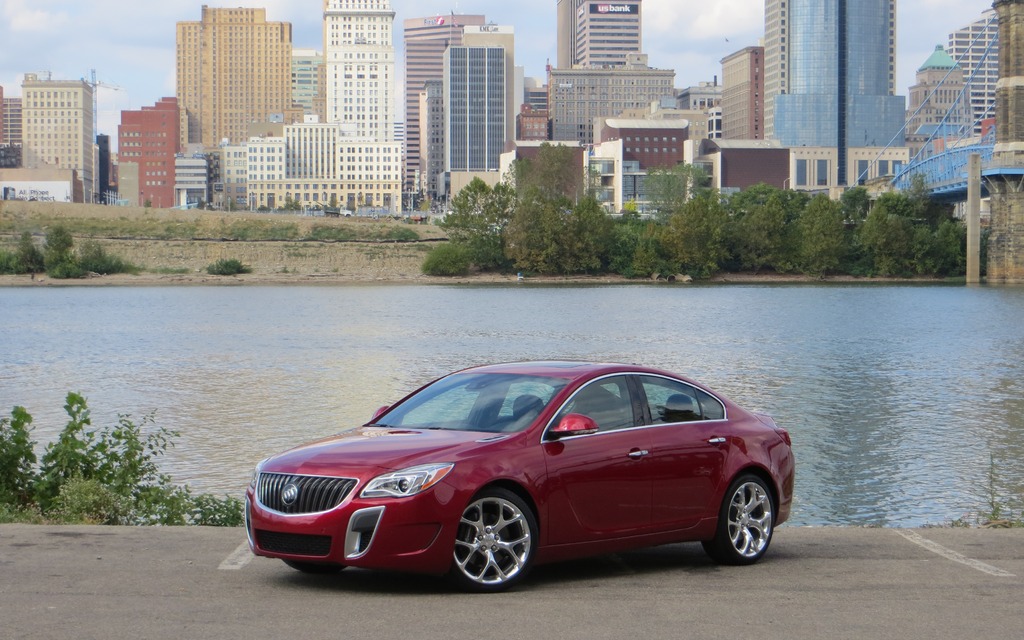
(492, 402)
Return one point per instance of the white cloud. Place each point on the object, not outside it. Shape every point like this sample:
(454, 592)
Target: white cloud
(20, 17)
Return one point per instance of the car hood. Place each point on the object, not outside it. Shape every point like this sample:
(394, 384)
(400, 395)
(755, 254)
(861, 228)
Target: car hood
(375, 448)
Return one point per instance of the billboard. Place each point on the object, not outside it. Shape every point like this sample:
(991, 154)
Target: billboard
(604, 8)
(39, 191)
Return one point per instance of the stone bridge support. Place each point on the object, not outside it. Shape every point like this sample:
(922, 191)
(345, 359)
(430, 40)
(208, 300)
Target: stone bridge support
(1006, 242)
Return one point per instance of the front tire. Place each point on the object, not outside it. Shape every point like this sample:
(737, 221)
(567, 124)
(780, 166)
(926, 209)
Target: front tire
(745, 523)
(494, 543)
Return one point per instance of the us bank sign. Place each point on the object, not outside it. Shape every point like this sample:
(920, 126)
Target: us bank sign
(628, 9)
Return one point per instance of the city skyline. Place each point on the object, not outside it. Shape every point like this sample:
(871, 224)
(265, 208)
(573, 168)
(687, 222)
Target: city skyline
(134, 60)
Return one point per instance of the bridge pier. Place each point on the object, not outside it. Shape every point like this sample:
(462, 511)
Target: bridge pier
(1006, 242)
(974, 219)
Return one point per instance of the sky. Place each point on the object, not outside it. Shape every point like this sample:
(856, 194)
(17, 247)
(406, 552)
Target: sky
(131, 45)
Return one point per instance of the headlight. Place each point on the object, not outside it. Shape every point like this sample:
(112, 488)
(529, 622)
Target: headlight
(407, 482)
(256, 472)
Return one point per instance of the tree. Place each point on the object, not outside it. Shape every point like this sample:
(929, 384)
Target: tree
(477, 221)
(585, 244)
(762, 236)
(555, 172)
(29, 255)
(696, 235)
(637, 250)
(855, 203)
(822, 236)
(531, 238)
(58, 256)
(670, 189)
(888, 235)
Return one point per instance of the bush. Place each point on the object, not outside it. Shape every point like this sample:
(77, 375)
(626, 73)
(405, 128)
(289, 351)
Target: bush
(447, 260)
(210, 511)
(17, 459)
(89, 502)
(227, 267)
(93, 258)
(58, 257)
(104, 476)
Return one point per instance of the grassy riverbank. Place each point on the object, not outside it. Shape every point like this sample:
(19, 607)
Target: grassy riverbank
(174, 247)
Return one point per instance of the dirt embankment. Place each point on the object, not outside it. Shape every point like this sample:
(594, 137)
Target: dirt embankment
(174, 246)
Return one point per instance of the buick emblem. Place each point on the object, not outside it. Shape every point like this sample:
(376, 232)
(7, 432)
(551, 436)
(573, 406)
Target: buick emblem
(289, 493)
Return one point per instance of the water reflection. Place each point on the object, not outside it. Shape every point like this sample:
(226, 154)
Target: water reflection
(898, 397)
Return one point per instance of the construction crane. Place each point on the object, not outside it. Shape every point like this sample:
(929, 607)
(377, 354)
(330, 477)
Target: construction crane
(94, 83)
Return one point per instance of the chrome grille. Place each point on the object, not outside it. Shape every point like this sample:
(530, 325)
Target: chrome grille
(315, 493)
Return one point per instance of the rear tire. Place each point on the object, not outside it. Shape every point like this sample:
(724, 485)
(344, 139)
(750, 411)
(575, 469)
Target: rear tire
(746, 522)
(317, 568)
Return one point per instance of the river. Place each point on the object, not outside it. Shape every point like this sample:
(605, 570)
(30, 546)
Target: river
(905, 402)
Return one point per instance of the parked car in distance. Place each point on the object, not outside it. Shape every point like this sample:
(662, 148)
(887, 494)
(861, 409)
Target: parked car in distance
(486, 472)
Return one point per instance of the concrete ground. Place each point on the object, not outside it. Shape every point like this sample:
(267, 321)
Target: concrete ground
(124, 582)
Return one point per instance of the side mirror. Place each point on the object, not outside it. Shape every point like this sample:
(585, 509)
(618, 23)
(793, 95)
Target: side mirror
(379, 412)
(574, 424)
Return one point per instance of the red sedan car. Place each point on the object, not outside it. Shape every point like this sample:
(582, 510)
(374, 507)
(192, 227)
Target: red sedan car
(486, 472)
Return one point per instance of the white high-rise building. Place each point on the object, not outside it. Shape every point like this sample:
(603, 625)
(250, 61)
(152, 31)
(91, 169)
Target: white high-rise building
(359, 54)
(968, 47)
(360, 86)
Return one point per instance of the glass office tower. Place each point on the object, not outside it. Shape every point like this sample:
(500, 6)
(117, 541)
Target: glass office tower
(837, 75)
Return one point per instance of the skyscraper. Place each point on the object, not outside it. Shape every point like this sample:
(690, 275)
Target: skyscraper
(233, 69)
(426, 40)
(475, 91)
(743, 94)
(831, 74)
(57, 127)
(969, 46)
(597, 33)
(359, 55)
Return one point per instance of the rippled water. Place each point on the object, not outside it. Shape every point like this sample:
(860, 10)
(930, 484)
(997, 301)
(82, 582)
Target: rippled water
(906, 403)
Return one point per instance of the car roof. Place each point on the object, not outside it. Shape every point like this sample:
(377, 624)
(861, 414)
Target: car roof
(562, 368)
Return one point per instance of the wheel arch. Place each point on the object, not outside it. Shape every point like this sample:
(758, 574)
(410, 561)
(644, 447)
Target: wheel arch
(764, 476)
(519, 490)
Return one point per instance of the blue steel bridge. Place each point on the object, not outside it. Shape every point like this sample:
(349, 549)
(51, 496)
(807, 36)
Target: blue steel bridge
(943, 160)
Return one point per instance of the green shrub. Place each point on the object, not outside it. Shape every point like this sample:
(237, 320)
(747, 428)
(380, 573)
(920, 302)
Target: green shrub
(17, 459)
(227, 267)
(93, 258)
(111, 476)
(9, 263)
(89, 502)
(447, 260)
(210, 511)
(59, 257)
(29, 256)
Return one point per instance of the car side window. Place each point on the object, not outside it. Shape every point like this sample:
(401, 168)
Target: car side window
(671, 401)
(605, 401)
(711, 407)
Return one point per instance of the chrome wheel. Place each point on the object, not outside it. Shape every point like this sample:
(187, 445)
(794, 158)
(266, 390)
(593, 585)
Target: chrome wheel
(744, 523)
(750, 520)
(494, 542)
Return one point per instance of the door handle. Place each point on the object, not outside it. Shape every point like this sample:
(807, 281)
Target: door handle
(639, 453)
(718, 440)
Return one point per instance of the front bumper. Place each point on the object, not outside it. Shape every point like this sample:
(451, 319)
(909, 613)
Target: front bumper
(407, 534)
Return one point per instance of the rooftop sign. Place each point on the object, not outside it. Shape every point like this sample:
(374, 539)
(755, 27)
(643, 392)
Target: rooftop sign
(628, 9)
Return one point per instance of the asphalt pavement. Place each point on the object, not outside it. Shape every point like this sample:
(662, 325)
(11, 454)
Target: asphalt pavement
(193, 582)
